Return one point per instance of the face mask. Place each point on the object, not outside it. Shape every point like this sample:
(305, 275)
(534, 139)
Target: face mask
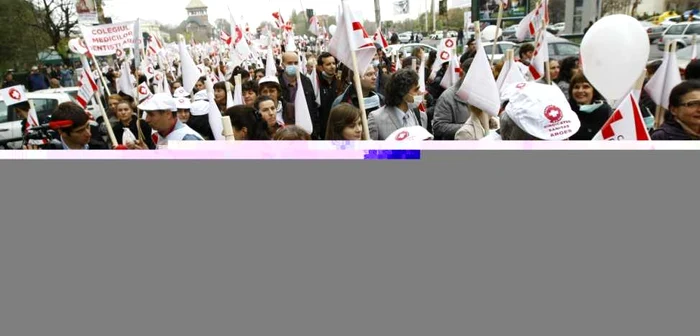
(416, 101)
(649, 122)
(372, 102)
(589, 108)
(291, 70)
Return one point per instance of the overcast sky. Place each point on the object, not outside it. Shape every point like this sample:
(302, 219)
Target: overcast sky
(254, 11)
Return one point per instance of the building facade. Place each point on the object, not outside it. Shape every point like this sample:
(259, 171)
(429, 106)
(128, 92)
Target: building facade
(197, 24)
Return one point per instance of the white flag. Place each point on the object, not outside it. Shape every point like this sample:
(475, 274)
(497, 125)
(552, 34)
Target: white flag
(541, 56)
(125, 84)
(664, 80)
(87, 88)
(479, 88)
(14, 95)
(351, 36)
(144, 92)
(451, 77)
(190, 73)
(215, 123)
(302, 116)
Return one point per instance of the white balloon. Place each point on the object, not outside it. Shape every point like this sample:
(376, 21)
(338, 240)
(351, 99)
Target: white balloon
(332, 29)
(614, 53)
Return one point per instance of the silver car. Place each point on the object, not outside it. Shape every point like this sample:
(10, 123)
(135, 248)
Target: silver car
(683, 32)
(653, 31)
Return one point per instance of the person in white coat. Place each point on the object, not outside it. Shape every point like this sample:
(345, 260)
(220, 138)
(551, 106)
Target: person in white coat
(161, 115)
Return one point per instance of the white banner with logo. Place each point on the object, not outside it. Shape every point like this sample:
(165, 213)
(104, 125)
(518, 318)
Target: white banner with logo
(105, 40)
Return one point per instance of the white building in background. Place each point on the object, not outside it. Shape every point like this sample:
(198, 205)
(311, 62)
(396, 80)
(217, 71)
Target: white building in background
(153, 28)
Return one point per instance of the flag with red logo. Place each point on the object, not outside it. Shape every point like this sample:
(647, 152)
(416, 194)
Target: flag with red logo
(533, 22)
(540, 58)
(15, 95)
(226, 38)
(314, 26)
(279, 21)
(144, 92)
(626, 123)
(350, 36)
(452, 74)
(379, 38)
(87, 88)
(155, 45)
(446, 51)
(479, 88)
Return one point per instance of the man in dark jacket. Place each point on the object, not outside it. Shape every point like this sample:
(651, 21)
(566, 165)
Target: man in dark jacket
(9, 80)
(288, 82)
(373, 100)
(37, 80)
(328, 87)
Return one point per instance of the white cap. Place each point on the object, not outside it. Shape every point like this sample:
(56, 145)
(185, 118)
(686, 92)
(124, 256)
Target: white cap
(159, 102)
(183, 103)
(201, 95)
(413, 133)
(268, 79)
(541, 110)
(199, 108)
(180, 92)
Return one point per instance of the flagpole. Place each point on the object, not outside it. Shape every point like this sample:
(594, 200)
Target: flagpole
(360, 96)
(108, 124)
(498, 27)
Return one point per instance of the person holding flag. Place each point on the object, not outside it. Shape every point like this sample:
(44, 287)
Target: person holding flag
(161, 115)
(684, 108)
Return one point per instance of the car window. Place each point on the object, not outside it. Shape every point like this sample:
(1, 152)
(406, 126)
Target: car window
(693, 29)
(676, 29)
(44, 108)
(504, 47)
(567, 49)
(3, 112)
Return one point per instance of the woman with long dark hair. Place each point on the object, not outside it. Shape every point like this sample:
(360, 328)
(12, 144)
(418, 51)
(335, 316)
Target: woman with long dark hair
(589, 105)
(247, 123)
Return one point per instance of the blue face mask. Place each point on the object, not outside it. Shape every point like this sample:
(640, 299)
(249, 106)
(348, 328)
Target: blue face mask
(291, 70)
(589, 108)
(649, 122)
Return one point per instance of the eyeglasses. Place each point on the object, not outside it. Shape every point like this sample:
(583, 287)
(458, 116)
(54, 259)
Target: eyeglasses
(691, 104)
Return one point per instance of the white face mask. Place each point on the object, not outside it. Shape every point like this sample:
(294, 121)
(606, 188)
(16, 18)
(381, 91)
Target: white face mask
(417, 100)
(372, 102)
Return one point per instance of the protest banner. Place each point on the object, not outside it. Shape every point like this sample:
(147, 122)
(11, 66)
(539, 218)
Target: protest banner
(105, 40)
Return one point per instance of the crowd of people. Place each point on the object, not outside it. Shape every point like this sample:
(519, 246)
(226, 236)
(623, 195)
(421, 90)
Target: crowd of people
(392, 101)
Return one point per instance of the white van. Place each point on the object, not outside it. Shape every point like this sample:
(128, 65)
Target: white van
(44, 104)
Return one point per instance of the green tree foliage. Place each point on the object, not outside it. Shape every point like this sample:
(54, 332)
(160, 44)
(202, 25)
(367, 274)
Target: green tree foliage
(21, 39)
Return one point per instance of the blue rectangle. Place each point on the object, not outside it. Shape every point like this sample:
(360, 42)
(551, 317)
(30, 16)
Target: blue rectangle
(392, 155)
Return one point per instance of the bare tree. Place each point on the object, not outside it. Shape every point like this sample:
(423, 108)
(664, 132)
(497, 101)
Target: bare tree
(56, 18)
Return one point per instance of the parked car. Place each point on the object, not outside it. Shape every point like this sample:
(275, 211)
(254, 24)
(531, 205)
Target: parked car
(683, 32)
(44, 104)
(501, 48)
(653, 31)
(559, 48)
(405, 37)
(438, 35)
(510, 31)
(404, 49)
(556, 28)
(670, 21)
(452, 33)
(73, 93)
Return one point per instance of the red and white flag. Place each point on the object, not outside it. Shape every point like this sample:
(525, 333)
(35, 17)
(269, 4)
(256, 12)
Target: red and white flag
(379, 38)
(155, 46)
(13, 95)
(226, 38)
(540, 58)
(451, 77)
(664, 80)
(144, 92)
(446, 51)
(533, 22)
(479, 88)
(350, 36)
(626, 123)
(279, 21)
(314, 26)
(510, 74)
(87, 88)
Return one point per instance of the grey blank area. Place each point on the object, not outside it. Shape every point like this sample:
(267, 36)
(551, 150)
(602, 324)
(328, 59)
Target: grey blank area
(459, 243)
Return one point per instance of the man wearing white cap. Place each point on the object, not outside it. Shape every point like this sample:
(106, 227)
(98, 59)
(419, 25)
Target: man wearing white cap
(161, 115)
(535, 111)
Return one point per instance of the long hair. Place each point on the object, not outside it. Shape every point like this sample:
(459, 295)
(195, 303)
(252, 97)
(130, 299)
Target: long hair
(342, 116)
(243, 116)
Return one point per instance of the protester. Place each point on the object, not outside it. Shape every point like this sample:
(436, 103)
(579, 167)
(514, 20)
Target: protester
(265, 106)
(247, 123)
(344, 123)
(372, 100)
(220, 96)
(692, 70)
(200, 85)
(9, 80)
(161, 115)
(37, 80)
(259, 74)
(54, 83)
(328, 87)
(199, 115)
(451, 111)
(401, 110)
(183, 105)
(568, 68)
(526, 53)
(79, 134)
(554, 70)
(683, 121)
(470, 52)
(285, 112)
(291, 133)
(130, 127)
(288, 87)
(536, 112)
(589, 105)
(66, 75)
(250, 92)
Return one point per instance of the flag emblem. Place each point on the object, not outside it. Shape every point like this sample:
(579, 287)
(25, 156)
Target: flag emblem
(402, 136)
(553, 113)
(142, 90)
(14, 94)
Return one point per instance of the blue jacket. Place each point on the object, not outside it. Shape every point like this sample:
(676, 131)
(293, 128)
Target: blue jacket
(38, 81)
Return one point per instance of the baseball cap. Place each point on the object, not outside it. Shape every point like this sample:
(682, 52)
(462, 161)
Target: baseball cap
(541, 110)
(268, 79)
(35, 68)
(180, 92)
(201, 95)
(159, 102)
(199, 108)
(413, 133)
(183, 103)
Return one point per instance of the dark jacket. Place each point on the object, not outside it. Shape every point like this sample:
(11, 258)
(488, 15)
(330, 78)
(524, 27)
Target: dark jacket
(350, 97)
(200, 124)
(592, 122)
(145, 129)
(328, 92)
(434, 88)
(37, 81)
(7, 84)
(310, 100)
(288, 115)
(671, 130)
